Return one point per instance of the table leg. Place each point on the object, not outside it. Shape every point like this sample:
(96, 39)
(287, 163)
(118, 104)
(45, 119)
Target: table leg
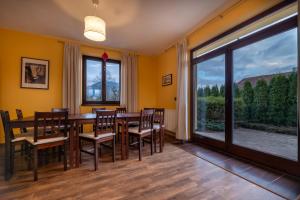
(77, 146)
(71, 145)
(123, 141)
(127, 139)
(8, 153)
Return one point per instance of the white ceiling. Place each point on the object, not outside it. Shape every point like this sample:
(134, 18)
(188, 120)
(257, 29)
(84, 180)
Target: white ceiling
(145, 26)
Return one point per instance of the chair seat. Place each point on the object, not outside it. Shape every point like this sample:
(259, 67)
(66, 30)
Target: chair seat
(92, 135)
(135, 130)
(156, 126)
(45, 141)
(22, 136)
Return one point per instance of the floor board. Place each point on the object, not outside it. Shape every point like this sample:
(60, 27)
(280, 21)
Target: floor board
(277, 182)
(173, 174)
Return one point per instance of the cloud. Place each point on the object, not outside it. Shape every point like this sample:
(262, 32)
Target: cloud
(276, 54)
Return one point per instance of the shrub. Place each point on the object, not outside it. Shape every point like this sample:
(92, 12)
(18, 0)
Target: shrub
(260, 101)
(278, 100)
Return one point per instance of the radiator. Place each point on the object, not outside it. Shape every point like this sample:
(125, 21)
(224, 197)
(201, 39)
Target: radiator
(170, 120)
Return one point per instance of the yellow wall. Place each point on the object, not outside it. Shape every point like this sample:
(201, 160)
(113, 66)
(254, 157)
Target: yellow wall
(167, 64)
(147, 79)
(230, 17)
(14, 45)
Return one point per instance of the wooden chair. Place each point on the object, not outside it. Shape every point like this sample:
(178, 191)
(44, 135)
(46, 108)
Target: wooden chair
(43, 138)
(20, 116)
(119, 110)
(104, 132)
(23, 131)
(158, 128)
(144, 129)
(11, 140)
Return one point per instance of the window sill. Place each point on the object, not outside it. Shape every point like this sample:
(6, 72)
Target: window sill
(100, 104)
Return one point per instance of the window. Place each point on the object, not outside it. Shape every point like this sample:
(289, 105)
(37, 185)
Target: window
(101, 81)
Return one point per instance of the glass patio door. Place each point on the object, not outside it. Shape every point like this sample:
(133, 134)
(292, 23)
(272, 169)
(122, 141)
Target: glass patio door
(209, 97)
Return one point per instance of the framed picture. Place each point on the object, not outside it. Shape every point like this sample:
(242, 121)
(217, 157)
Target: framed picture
(34, 73)
(167, 80)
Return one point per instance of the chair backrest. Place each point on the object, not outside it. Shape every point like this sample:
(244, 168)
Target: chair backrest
(121, 110)
(105, 122)
(159, 116)
(60, 110)
(50, 124)
(146, 119)
(20, 117)
(5, 121)
(94, 110)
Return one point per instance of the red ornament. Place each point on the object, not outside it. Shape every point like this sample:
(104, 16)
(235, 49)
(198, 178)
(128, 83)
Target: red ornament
(104, 56)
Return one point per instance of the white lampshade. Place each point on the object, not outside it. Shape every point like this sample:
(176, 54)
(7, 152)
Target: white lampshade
(94, 28)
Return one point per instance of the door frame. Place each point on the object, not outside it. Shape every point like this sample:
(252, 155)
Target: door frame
(280, 163)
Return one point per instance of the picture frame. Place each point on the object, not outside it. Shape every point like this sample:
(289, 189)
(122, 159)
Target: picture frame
(167, 80)
(34, 73)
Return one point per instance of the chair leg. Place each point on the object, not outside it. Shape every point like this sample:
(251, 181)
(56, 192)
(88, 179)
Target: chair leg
(80, 148)
(151, 143)
(114, 149)
(35, 163)
(22, 149)
(154, 138)
(29, 158)
(12, 158)
(96, 158)
(140, 148)
(160, 140)
(59, 153)
(65, 156)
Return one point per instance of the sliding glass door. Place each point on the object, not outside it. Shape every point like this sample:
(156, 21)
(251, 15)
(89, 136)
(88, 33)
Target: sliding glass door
(245, 96)
(265, 95)
(210, 98)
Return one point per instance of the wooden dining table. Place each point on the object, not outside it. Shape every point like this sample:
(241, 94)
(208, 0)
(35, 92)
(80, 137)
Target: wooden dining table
(74, 121)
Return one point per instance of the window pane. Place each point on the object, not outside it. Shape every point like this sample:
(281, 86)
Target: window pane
(93, 80)
(265, 95)
(210, 98)
(112, 82)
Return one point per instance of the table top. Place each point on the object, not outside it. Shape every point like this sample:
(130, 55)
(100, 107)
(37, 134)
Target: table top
(84, 116)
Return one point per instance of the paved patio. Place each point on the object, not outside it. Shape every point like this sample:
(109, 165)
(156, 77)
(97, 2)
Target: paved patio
(274, 143)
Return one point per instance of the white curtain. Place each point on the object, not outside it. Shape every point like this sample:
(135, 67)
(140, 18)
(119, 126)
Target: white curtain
(129, 96)
(182, 91)
(72, 78)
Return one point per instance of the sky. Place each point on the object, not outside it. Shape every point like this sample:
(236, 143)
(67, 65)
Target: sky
(94, 70)
(276, 54)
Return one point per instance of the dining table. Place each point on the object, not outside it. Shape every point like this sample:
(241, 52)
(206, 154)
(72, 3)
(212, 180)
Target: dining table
(74, 122)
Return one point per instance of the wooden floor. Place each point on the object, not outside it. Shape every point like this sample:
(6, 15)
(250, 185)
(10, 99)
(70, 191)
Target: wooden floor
(173, 174)
(277, 182)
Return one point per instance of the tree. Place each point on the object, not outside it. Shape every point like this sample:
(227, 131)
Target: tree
(236, 90)
(207, 91)
(247, 96)
(260, 101)
(292, 100)
(278, 100)
(222, 91)
(215, 91)
(200, 92)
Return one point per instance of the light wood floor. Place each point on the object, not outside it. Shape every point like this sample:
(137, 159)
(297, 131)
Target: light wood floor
(173, 174)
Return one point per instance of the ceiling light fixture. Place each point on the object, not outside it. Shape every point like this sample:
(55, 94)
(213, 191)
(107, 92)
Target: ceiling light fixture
(94, 26)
